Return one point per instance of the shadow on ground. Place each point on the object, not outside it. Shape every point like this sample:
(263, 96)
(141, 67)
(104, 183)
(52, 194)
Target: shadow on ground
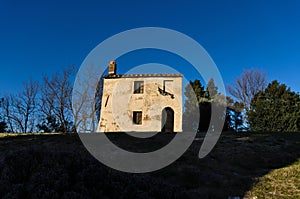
(58, 166)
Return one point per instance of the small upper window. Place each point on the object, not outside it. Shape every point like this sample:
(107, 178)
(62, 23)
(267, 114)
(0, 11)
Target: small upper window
(137, 117)
(168, 85)
(138, 87)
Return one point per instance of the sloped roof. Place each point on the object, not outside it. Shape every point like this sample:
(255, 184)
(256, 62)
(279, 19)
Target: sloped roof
(141, 75)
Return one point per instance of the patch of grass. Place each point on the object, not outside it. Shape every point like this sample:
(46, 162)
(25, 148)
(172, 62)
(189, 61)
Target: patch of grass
(4, 135)
(279, 183)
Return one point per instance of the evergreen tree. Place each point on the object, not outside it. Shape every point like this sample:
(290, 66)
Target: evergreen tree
(49, 125)
(211, 89)
(277, 109)
(199, 100)
(234, 116)
(3, 127)
(194, 93)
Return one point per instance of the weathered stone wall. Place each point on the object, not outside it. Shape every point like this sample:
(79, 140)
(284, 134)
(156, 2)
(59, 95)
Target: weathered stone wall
(119, 102)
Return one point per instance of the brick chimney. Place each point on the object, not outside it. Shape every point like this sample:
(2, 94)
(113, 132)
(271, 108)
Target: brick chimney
(112, 68)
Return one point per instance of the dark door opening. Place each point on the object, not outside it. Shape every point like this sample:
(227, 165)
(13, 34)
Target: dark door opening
(167, 121)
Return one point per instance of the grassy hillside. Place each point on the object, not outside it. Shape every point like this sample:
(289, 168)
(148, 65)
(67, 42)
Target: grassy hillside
(279, 183)
(58, 166)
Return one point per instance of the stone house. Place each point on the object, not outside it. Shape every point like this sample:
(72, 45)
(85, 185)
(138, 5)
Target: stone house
(141, 102)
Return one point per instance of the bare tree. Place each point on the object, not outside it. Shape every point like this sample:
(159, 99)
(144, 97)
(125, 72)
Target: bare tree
(6, 110)
(87, 93)
(56, 101)
(48, 121)
(247, 86)
(20, 109)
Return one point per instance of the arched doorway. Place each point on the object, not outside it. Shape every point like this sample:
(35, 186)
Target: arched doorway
(167, 120)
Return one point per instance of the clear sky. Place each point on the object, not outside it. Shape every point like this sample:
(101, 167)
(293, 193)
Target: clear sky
(41, 37)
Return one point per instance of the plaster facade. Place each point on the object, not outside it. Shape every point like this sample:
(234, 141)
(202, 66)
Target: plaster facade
(141, 103)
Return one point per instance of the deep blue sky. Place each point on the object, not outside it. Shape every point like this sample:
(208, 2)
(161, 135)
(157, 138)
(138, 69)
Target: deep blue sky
(41, 37)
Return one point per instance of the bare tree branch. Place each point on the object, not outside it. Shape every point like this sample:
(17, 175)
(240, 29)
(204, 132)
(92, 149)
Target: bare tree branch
(247, 86)
(56, 101)
(20, 109)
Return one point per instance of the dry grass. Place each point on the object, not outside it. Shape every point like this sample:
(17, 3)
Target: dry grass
(279, 183)
(5, 135)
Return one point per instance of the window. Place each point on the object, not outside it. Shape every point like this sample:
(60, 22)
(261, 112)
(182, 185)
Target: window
(168, 85)
(137, 117)
(138, 87)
